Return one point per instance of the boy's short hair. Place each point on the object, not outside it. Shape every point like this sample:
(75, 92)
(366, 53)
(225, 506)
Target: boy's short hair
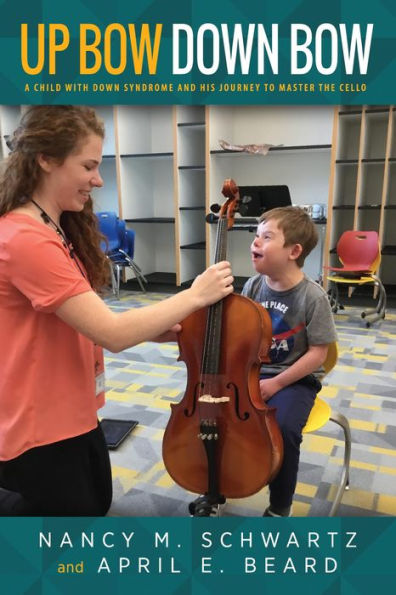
(297, 227)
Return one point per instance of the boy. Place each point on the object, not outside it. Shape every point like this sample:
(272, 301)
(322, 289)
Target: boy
(302, 326)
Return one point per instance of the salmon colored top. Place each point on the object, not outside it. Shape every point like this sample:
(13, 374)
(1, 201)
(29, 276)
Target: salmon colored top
(47, 369)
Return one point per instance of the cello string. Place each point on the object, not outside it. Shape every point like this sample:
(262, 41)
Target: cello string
(207, 345)
(210, 355)
(208, 342)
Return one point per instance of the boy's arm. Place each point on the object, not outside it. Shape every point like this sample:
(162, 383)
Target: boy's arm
(308, 363)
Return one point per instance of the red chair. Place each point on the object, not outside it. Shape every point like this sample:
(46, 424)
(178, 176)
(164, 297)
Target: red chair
(360, 255)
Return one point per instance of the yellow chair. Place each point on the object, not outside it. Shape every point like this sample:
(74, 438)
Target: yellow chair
(320, 414)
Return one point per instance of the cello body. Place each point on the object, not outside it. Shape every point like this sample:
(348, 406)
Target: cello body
(222, 438)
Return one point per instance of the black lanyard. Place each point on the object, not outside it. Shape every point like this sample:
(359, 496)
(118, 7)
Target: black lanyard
(69, 247)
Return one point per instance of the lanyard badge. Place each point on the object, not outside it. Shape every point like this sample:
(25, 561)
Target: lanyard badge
(99, 371)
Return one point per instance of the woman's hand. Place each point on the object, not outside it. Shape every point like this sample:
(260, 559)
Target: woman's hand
(213, 284)
(170, 335)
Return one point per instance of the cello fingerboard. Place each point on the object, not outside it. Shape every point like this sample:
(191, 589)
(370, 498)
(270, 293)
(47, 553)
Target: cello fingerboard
(211, 351)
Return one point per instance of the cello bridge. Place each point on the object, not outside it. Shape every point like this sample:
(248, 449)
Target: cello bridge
(210, 399)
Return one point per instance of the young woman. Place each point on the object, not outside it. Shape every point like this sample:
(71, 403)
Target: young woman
(53, 325)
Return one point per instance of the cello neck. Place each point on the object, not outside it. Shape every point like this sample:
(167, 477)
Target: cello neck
(221, 240)
(211, 352)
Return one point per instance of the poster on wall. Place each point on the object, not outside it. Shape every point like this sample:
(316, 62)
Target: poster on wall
(294, 101)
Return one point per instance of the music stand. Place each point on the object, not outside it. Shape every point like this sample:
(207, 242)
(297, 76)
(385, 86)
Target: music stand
(258, 199)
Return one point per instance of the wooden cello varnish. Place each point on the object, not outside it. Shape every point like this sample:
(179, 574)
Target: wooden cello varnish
(222, 439)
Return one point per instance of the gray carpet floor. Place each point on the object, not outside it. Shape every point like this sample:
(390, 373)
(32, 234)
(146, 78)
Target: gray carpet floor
(143, 381)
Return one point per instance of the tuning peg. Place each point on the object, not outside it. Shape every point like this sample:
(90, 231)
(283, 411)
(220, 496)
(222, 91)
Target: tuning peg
(210, 218)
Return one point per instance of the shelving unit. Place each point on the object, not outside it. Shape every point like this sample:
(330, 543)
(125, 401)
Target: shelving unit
(107, 199)
(300, 159)
(190, 169)
(362, 193)
(145, 152)
(163, 167)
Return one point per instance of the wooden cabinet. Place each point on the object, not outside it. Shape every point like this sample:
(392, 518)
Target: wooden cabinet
(362, 192)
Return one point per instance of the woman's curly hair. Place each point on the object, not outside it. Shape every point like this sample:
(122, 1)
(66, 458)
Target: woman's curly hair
(55, 131)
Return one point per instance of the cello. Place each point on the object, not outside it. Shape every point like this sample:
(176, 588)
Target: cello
(222, 440)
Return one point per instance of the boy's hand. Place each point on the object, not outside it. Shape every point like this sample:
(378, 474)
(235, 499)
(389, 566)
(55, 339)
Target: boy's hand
(268, 387)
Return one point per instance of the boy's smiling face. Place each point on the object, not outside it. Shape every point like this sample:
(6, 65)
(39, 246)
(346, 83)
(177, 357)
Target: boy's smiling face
(270, 256)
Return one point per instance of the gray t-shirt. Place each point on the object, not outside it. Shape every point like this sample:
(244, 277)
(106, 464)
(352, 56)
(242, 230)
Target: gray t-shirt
(301, 316)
